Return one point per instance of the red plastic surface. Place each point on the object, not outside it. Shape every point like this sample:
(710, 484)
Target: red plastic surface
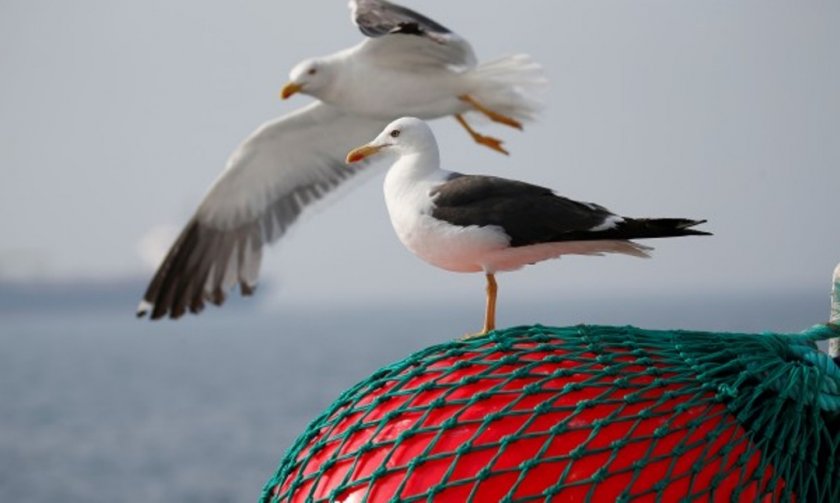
(683, 460)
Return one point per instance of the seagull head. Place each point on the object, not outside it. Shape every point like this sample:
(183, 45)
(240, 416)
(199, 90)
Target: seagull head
(402, 137)
(310, 76)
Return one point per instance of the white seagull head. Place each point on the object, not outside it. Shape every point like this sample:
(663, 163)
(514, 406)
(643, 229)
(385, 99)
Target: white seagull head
(310, 76)
(402, 137)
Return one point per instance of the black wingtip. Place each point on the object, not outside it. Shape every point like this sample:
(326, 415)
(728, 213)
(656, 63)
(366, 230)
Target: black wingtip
(143, 308)
(217, 298)
(246, 290)
(648, 228)
(692, 223)
(689, 225)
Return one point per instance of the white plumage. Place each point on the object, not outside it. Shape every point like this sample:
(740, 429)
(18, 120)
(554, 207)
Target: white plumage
(467, 223)
(410, 65)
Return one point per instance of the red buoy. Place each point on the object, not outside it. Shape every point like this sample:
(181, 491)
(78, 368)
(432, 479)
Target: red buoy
(525, 419)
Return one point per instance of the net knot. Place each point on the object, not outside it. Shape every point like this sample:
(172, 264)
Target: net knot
(813, 374)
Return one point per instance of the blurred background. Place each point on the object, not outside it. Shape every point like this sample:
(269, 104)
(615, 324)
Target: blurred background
(115, 117)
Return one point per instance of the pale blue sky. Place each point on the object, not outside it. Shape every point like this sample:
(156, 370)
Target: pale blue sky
(115, 117)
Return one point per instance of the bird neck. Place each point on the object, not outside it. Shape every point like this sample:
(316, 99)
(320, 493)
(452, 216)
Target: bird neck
(419, 164)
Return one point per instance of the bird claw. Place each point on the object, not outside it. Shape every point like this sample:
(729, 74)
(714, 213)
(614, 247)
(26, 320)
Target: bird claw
(469, 337)
(493, 116)
(507, 121)
(492, 143)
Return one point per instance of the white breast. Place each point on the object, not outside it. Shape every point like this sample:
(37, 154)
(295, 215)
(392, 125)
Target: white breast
(451, 247)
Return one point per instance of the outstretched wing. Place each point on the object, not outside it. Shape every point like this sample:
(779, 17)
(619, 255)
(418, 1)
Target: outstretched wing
(401, 37)
(281, 169)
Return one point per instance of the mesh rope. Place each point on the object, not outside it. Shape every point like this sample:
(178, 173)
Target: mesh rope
(585, 413)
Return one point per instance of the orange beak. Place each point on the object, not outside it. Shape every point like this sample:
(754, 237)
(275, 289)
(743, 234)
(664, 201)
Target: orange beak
(363, 152)
(290, 89)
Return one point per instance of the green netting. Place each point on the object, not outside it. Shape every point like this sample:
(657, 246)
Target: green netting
(594, 413)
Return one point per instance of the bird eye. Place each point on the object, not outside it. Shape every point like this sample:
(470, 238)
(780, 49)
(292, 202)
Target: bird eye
(312, 71)
(395, 133)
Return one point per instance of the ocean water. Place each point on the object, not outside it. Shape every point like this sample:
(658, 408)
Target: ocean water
(96, 406)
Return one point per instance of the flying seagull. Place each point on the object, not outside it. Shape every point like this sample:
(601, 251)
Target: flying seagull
(409, 64)
(418, 67)
(467, 223)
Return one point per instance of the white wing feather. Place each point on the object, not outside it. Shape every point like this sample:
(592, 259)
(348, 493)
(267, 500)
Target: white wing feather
(281, 169)
(408, 52)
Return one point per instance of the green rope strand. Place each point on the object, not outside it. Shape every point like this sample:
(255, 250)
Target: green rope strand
(777, 388)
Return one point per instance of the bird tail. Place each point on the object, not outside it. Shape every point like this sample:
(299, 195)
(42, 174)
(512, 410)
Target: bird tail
(511, 85)
(645, 228)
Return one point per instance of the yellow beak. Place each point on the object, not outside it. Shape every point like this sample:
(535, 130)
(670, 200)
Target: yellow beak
(290, 89)
(363, 152)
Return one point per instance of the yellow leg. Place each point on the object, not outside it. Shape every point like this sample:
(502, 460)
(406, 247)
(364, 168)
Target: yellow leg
(490, 310)
(493, 116)
(487, 141)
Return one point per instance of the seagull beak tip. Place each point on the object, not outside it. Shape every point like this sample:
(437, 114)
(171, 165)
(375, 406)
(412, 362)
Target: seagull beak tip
(290, 89)
(361, 153)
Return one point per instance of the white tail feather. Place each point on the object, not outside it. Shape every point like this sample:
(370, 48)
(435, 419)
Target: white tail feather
(511, 85)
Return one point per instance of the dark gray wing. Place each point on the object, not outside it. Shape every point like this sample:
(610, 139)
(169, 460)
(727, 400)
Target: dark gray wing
(280, 170)
(531, 214)
(401, 36)
(378, 17)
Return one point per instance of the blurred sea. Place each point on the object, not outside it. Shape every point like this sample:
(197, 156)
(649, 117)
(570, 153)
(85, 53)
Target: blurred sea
(97, 406)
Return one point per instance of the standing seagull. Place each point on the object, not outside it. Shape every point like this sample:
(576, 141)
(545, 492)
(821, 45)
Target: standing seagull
(409, 65)
(468, 223)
